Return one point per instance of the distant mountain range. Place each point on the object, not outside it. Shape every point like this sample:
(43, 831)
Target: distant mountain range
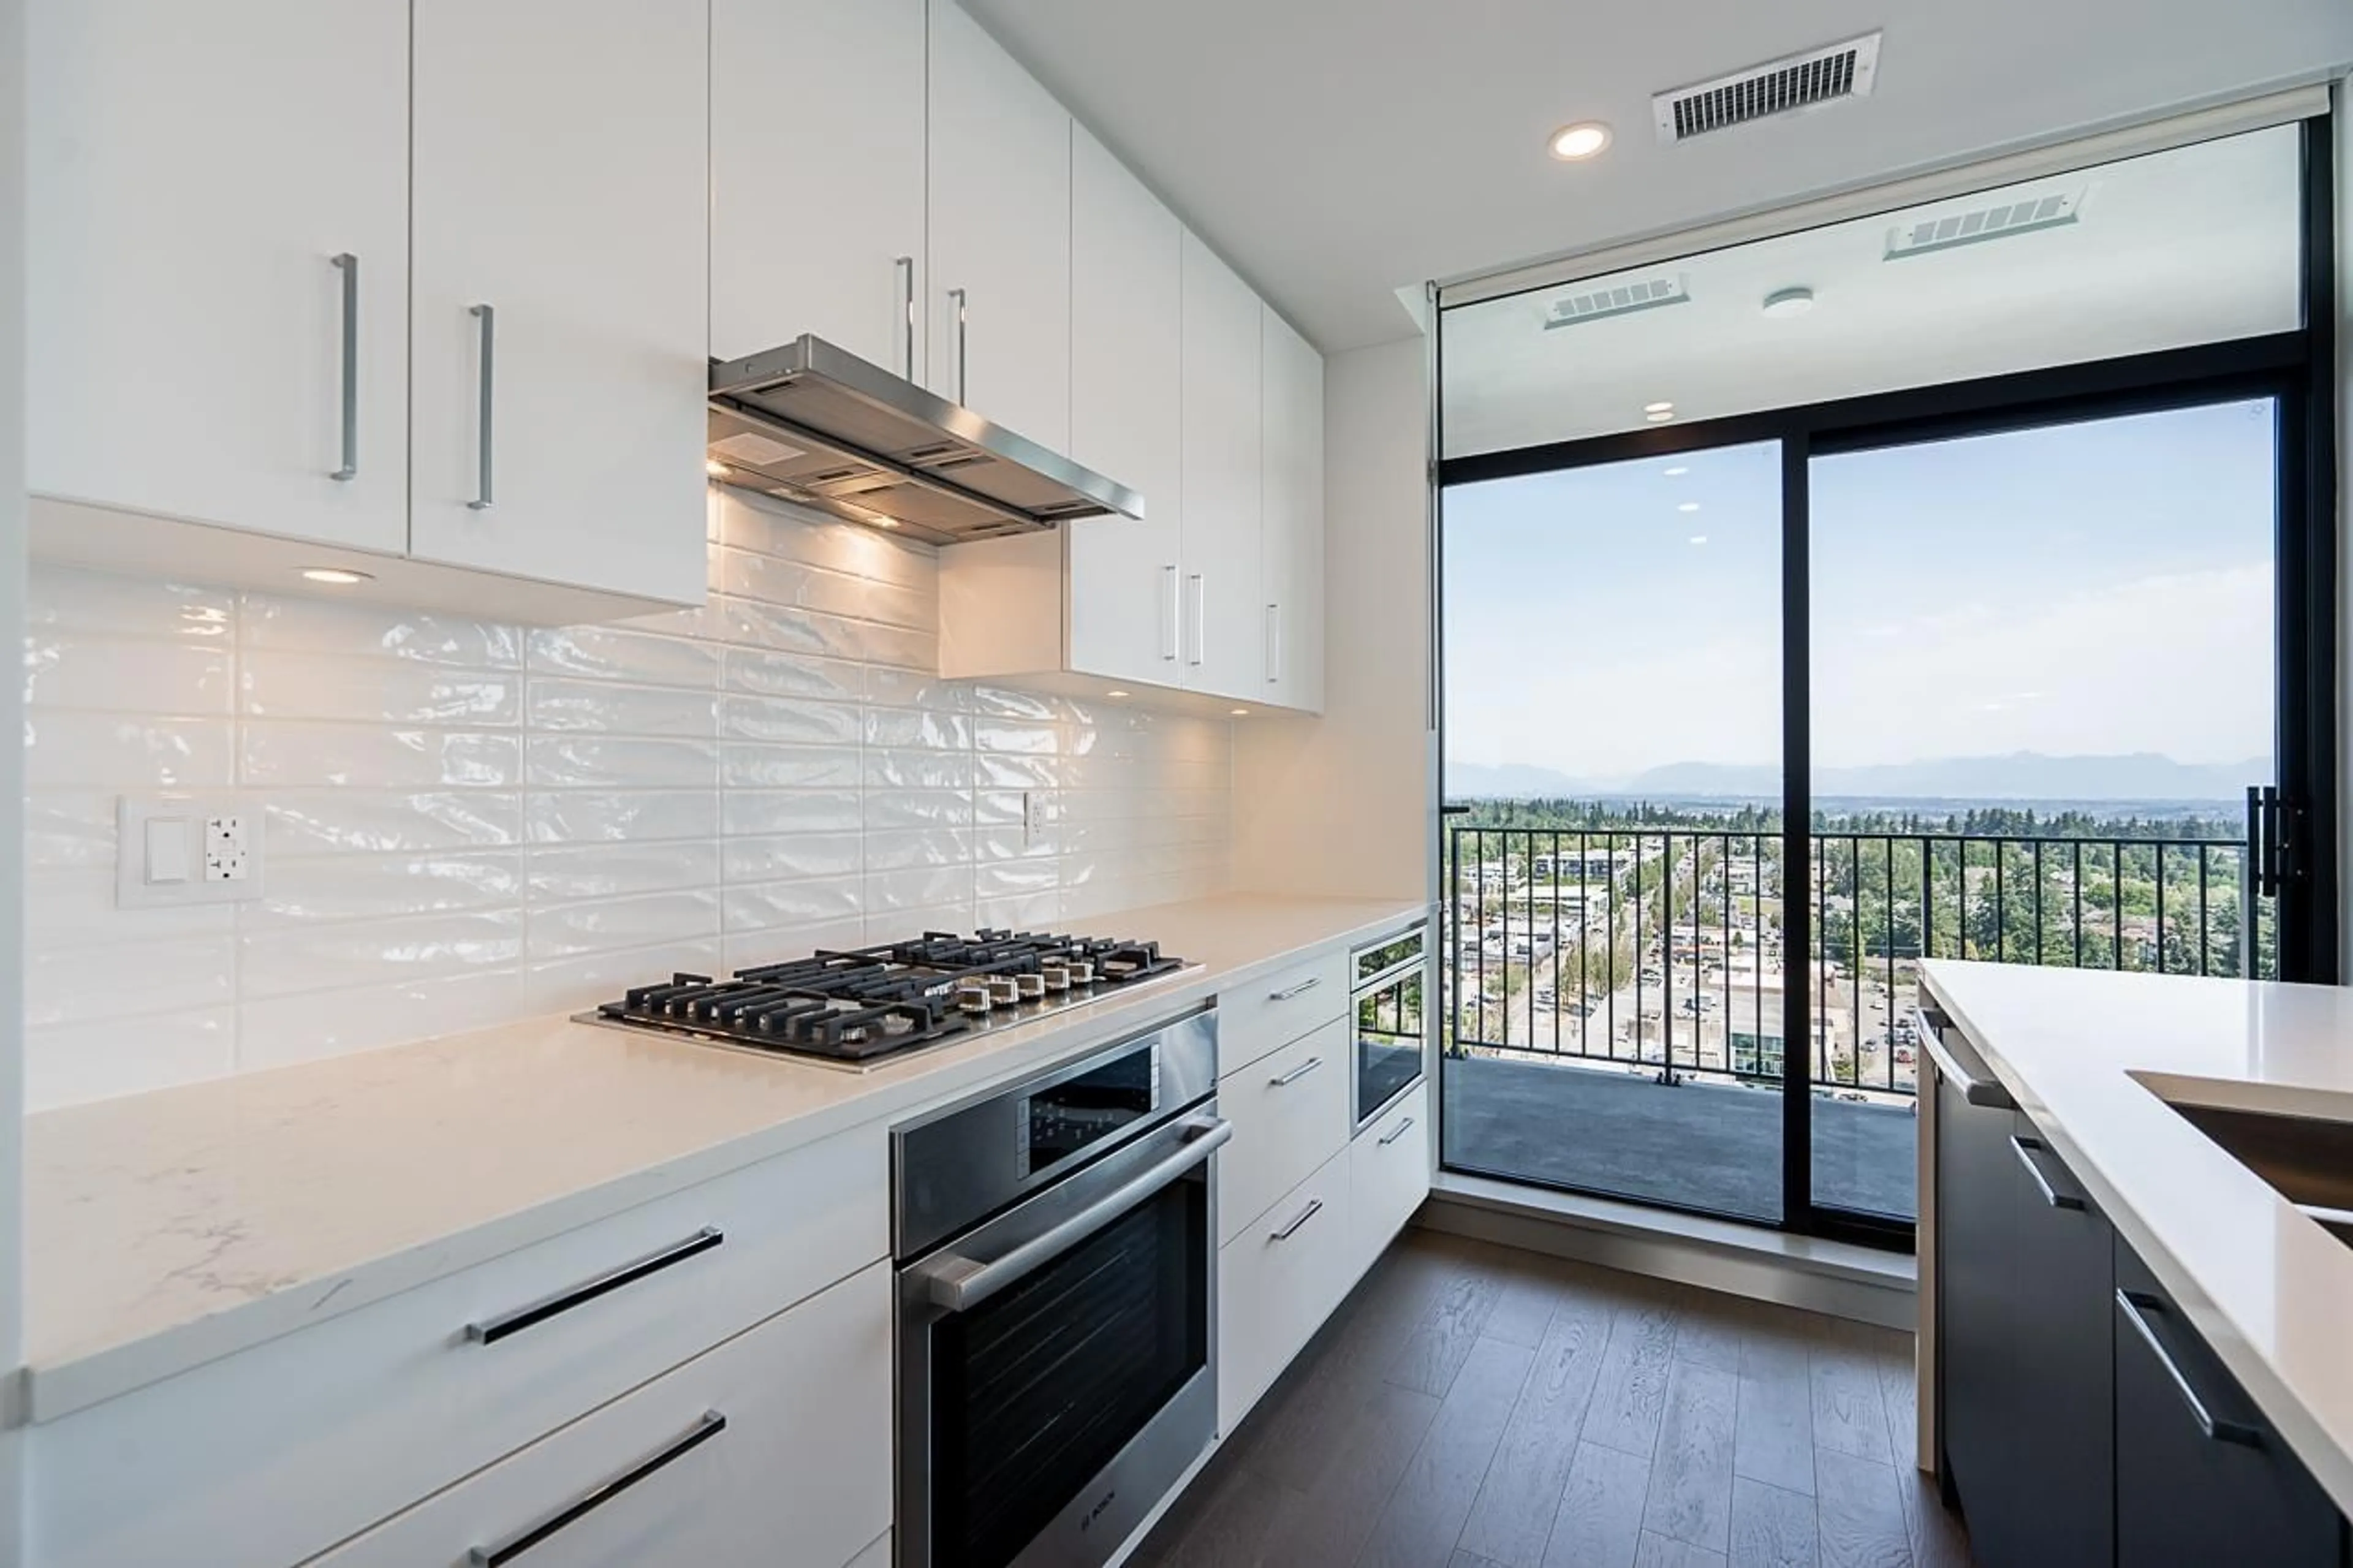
(2021, 775)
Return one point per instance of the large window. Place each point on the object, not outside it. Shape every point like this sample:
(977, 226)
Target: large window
(1746, 715)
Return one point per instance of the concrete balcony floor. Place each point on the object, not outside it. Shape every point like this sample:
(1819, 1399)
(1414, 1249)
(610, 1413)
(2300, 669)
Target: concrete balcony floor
(1710, 1146)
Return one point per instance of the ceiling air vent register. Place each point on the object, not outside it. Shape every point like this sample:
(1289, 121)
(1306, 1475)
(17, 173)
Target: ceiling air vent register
(1999, 221)
(1618, 299)
(1825, 75)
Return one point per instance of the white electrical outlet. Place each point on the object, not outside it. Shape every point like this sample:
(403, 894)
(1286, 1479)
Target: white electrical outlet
(186, 850)
(224, 853)
(1033, 816)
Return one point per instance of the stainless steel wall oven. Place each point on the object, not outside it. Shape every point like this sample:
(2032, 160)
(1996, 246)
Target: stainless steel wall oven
(1057, 1305)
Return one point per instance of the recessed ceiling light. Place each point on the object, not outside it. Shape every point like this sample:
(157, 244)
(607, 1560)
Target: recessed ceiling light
(881, 522)
(1241, 713)
(1688, 506)
(1661, 417)
(1573, 143)
(1678, 471)
(1114, 692)
(1661, 407)
(1784, 303)
(716, 469)
(339, 576)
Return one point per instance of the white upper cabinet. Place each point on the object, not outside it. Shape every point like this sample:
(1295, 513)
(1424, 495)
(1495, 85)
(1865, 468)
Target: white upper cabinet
(817, 176)
(1223, 636)
(999, 290)
(193, 174)
(1125, 370)
(1292, 492)
(559, 312)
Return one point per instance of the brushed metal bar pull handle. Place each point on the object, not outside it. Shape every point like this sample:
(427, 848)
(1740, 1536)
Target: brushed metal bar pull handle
(1200, 616)
(1976, 1090)
(1171, 613)
(1301, 989)
(693, 1437)
(963, 312)
(1273, 643)
(492, 1330)
(1399, 1130)
(349, 266)
(482, 492)
(906, 269)
(960, 1283)
(1314, 1206)
(1295, 1074)
(2025, 1148)
(2136, 1305)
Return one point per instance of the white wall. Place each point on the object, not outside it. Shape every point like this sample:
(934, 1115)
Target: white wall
(468, 821)
(1341, 806)
(12, 620)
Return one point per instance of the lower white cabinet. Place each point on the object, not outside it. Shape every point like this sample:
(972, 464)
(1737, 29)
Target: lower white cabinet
(1289, 1114)
(1278, 1279)
(1388, 1175)
(773, 1448)
(277, 1452)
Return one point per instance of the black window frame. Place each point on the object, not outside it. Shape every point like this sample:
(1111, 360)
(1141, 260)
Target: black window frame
(2297, 368)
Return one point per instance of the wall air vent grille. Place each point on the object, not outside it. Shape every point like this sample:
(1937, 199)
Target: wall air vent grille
(1999, 221)
(1618, 299)
(1820, 76)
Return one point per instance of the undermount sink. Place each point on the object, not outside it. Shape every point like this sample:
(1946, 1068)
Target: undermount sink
(2307, 1160)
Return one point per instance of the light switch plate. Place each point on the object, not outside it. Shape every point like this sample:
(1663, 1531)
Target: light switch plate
(204, 848)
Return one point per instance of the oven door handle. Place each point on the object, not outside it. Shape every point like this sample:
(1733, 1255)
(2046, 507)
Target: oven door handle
(959, 1283)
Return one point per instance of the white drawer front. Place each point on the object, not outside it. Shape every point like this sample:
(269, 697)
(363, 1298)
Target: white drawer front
(1290, 1112)
(799, 1473)
(1388, 1175)
(1276, 1009)
(1276, 1282)
(277, 1452)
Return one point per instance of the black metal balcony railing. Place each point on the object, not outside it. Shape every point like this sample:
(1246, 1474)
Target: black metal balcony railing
(1662, 948)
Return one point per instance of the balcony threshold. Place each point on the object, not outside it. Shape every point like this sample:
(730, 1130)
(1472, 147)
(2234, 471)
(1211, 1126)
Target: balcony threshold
(1821, 1276)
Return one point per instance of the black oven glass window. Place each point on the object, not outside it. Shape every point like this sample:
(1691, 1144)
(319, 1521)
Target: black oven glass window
(1388, 1041)
(1085, 1109)
(1039, 1386)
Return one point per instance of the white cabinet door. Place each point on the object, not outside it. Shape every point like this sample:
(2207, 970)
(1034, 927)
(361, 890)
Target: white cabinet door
(559, 319)
(773, 1447)
(1278, 1279)
(1125, 402)
(1001, 234)
(817, 176)
(1224, 615)
(192, 173)
(1292, 491)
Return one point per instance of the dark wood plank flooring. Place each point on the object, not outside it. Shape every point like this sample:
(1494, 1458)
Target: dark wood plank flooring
(1473, 1406)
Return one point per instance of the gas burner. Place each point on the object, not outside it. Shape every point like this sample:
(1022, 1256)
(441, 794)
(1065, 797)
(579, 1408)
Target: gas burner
(854, 1007)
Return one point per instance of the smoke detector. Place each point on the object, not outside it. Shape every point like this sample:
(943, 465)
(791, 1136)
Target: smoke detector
(1807, 80)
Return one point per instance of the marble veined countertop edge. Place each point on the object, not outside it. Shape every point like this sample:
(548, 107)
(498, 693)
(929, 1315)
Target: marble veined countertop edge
(166, 1230)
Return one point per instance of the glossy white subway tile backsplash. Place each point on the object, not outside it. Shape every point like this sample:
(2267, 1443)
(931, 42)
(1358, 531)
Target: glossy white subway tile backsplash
(468, 821)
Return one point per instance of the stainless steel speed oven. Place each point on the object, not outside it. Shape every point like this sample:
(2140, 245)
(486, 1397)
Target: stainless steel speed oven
(1385, 988)
(1057, 1272)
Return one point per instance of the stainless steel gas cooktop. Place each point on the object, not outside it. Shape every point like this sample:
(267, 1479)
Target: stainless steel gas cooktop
(857, 1008)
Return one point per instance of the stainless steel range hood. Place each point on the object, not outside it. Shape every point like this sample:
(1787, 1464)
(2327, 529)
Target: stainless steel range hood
(815, 424)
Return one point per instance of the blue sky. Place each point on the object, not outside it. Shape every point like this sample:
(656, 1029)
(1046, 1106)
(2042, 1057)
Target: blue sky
(2095, 588)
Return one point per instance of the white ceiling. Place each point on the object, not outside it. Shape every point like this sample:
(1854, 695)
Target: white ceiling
(1336, 150)
(2200, 244)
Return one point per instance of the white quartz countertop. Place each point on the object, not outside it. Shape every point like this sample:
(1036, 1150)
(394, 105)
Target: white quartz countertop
(166, 1229)
(2088, 1055)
